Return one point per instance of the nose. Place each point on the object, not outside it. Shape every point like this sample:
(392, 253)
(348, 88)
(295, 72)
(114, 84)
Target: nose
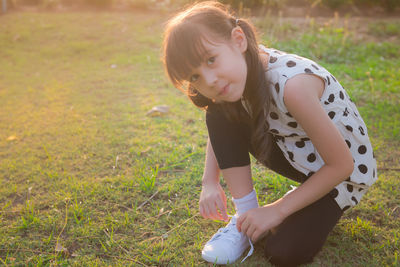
(209, 76)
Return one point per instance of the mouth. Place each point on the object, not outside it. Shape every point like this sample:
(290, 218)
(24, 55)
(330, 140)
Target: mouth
(224, 90)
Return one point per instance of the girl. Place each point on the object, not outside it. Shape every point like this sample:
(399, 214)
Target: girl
(287, 111)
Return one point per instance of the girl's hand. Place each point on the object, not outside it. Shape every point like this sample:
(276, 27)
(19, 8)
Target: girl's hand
(257, 222)
(212, 199)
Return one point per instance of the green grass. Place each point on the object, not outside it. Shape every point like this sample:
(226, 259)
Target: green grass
(88, 179)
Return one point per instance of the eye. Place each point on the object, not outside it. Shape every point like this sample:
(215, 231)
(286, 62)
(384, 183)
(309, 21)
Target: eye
(193, 78)
(211, 60)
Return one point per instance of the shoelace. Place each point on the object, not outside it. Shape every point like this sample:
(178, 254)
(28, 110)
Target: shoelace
(226, 229)
(250, 251)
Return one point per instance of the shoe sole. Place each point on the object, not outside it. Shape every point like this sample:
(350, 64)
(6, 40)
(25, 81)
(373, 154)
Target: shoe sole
(214, 260)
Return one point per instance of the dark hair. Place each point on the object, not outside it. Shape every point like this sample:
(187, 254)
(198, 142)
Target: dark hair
(190, 27)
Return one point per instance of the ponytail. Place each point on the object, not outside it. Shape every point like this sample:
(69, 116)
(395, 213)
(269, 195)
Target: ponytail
(257, 94)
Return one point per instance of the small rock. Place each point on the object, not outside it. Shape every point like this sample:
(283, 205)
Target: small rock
(158, 110)
(12, 138)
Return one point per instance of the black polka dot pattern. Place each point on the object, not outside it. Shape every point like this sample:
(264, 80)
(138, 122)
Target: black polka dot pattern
(348, 143)
(361, 130)
(279, 138)
(362, 168)
(272, 59)
(314, 66)
(311, 157)
(362, 149)
(290, 63)
(345, 112)
(349, 128)
(334, 193)
(349, 188)
(277, 88)
(290, 155)
(274, 131)
(273, 116)
(289, 135)
(300, 144)
(361, 189)
(307, 70)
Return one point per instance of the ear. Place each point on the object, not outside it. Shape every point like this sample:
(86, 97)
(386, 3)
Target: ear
(239, 39)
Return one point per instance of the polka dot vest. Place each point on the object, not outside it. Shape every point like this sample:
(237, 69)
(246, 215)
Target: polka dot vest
(295, 144)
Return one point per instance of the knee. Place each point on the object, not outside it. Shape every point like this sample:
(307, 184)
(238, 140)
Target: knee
(288, 254)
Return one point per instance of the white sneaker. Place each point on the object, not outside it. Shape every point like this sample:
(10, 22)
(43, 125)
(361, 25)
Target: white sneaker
(227, 245)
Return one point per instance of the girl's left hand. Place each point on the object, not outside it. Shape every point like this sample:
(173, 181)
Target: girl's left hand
(256, 222)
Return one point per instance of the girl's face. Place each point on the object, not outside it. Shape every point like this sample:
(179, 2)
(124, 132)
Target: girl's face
(222, 74)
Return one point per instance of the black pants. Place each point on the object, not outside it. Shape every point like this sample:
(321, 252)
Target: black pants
(301, 235)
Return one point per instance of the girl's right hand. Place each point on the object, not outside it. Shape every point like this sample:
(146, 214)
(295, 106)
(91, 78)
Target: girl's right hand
(212, 202)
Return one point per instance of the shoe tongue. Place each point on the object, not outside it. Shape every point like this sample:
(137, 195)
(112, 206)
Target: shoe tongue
(227, 231)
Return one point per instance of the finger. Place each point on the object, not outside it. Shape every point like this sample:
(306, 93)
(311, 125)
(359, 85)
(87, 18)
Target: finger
(222, 209)
(255, 236)
(239, 222)
(206, 212)
(212, 212)
(222, 216)
(250, 231)
(245, 226)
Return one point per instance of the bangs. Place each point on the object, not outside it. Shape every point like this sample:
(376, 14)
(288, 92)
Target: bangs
(180, 58)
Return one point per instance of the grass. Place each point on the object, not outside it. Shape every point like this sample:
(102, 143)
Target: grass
(88, 179)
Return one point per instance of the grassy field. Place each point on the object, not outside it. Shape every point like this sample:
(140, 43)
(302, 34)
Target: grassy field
(87, 179)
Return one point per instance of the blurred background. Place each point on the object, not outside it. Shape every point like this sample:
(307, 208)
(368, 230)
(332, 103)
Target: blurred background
(289, 7)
